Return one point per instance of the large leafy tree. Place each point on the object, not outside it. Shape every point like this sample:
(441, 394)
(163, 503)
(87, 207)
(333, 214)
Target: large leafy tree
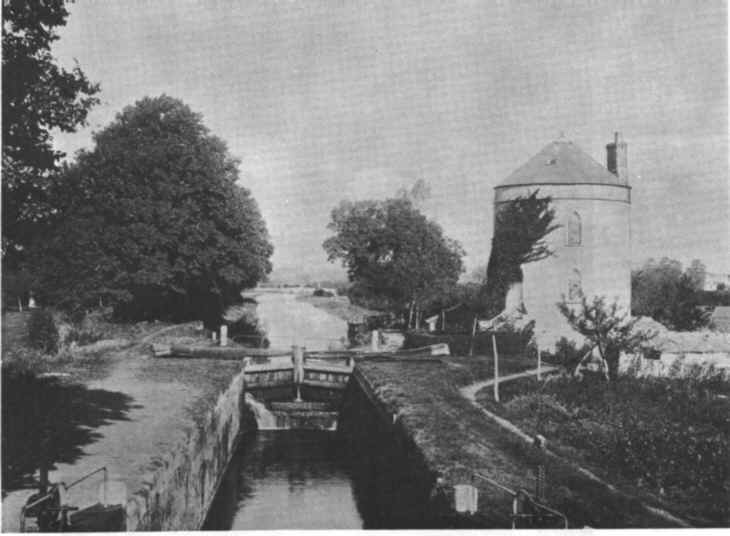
(663, 291)
(152, 221)
(394, 255)
(520, 228)
(38, 96)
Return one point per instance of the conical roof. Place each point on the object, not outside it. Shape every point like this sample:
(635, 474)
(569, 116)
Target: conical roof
(561, 162)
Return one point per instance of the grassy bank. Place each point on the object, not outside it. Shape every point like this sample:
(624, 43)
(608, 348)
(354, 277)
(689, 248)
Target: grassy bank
(454, 435)
(667, 440)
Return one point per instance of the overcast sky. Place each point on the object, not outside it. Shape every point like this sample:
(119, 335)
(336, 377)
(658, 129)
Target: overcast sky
(327, 100)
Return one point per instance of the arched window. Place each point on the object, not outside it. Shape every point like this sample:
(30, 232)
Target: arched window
(574, 230)
(575, 286)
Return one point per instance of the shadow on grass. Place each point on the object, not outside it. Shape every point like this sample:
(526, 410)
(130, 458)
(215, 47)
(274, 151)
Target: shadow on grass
(45, 420)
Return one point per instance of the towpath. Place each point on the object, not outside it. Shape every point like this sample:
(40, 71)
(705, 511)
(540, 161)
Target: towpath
(126, 418)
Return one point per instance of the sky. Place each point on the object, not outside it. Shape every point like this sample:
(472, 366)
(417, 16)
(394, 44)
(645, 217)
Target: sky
(331, 100)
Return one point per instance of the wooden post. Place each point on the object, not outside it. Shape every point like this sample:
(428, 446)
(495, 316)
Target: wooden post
(298, 363)
(20, 305)
(224, 335)
(443, 320)
(473, 335)
(496, 368)
(539, 360)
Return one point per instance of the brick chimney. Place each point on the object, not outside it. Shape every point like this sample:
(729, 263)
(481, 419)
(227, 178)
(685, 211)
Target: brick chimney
(617, 158)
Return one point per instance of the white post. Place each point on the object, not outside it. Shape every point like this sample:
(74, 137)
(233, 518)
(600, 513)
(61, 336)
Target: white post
(298, 363)
(374, 340)
(213, 336)
(473, 334)
(496, 369)
(224, 335)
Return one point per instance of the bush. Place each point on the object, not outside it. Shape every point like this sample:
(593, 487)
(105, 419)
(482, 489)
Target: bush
(321, 293)
(81, 337)
(42, 331)
(246, 330)
(671, 436)
(568, 355)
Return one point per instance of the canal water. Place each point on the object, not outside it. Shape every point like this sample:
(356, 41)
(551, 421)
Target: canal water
(290, 479)
(287, 480)
(288, 321)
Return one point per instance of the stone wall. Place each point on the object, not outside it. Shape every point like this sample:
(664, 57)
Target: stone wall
(395, 487)
(178, 494)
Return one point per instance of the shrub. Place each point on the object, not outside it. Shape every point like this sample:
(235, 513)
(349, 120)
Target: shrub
(246, 330)
(568, 355)
(81, 336)
(42, 331)
(670, 434)
(321, 293)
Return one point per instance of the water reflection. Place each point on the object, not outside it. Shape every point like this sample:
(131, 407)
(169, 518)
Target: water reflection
(292, 479)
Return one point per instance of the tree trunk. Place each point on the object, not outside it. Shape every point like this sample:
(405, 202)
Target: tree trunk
(612, 359)
(604, 364)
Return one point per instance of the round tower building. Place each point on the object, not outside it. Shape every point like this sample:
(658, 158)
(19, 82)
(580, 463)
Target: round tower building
(592, 247)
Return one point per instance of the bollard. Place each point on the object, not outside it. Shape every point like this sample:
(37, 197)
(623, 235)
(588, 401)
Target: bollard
(213, 336)
(224, 335)
(374, 336)
(298, 363)
(466, 498)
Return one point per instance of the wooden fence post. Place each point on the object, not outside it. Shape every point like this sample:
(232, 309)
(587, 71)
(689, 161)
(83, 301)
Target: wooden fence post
(473, 335)
(496, 368)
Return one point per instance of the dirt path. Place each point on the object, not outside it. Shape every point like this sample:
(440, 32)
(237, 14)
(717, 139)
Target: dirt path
(470, 391)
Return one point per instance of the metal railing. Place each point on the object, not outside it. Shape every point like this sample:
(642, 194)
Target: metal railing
(56, 492)
(519, 499)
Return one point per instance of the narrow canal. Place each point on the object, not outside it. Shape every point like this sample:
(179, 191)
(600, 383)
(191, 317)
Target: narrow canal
(287, 480)
(292, 479)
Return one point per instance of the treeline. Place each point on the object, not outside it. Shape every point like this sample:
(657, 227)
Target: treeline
(399, 261)
(674, 296)
(150, 222)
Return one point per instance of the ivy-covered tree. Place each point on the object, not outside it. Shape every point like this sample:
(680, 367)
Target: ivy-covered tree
(520, 228)
(395, 257)
(152, 221)
(38, 96)
(607, 328)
